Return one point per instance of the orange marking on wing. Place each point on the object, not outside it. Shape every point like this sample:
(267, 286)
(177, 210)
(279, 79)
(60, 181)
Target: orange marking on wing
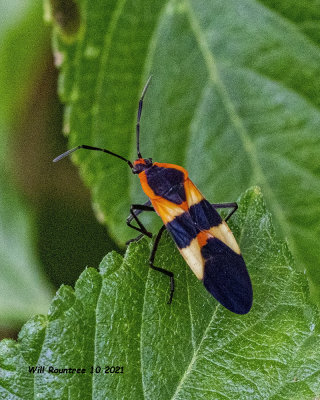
(167, 210)
(194, 196)
(203, 237)
(223, 233)
(193, 257)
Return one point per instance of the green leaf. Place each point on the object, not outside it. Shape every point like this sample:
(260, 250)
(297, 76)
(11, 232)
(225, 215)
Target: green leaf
(234, 98)
(305, 16)
(23, 288)
(192, 349)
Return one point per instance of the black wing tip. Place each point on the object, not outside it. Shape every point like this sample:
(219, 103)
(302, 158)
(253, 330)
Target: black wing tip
(239, 304)
(242, 303)
(240, 309)
(226, 277)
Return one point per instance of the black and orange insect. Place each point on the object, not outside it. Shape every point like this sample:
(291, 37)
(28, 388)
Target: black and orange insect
(201, 235)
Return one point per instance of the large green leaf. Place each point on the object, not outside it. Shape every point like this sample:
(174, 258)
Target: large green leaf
(192, 349)
(234, 98)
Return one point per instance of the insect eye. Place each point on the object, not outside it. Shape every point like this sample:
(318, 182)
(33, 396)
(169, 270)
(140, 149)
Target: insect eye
(137, 169)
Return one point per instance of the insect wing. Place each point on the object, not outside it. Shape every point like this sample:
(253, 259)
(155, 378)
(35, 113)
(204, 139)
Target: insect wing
(225, 274)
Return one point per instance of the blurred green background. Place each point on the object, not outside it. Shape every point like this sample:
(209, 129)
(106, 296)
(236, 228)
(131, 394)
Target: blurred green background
(48, 231)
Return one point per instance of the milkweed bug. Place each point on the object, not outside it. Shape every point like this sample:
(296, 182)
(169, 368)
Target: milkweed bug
(201, 235)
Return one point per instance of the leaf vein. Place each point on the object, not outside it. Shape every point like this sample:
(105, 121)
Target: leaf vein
(195, 353)
(235, 119)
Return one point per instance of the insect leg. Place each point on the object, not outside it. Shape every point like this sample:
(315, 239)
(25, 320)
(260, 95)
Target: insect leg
(139, 211)
(135, 210)
(136, 239)
(227, 205)
(164, 271)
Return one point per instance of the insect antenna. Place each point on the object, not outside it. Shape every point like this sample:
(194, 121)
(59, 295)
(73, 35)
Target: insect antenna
(84, 146)
(139, 115)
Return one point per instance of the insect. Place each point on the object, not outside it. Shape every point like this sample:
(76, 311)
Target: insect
(201, 235)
